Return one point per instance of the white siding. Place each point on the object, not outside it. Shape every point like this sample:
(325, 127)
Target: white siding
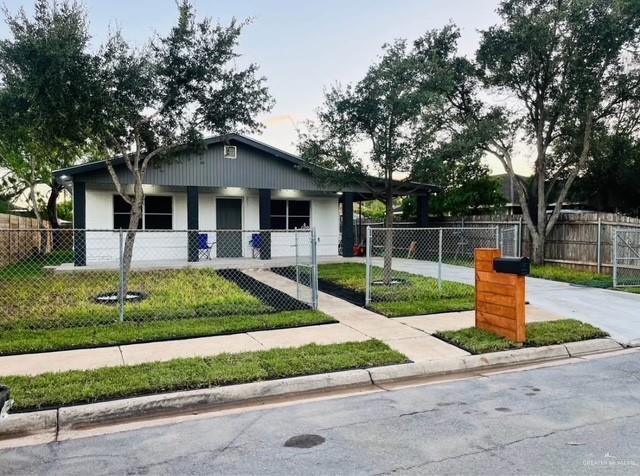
(172, 245)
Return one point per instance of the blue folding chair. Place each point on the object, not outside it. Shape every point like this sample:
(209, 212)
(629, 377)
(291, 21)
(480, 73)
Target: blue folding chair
(204, 246)
(256, 243)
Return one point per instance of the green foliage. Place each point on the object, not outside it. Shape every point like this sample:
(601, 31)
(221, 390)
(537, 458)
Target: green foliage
(53, 390)
(65, 210)
(46, 102)
(374, 209)
(382, 114)
(611, 181)
(478, 341)
(22, 341)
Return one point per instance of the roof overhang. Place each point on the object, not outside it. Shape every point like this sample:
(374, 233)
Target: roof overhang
(373, 187)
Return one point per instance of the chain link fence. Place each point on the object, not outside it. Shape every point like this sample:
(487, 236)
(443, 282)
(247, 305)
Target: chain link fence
(626, 257)
(416, 263)
(88, 278)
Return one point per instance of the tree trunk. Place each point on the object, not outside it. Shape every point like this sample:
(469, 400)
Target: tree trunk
(388, 237)
(127, 252)
(52, 215)
(537, 248)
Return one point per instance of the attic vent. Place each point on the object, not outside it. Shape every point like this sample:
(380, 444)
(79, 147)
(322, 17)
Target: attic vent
(230, 152)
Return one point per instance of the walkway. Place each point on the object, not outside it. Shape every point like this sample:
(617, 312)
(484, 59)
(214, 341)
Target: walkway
(411, 341)
(616, 312)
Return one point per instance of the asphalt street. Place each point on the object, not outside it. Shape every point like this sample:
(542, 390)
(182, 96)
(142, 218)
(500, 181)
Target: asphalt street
(579, 418)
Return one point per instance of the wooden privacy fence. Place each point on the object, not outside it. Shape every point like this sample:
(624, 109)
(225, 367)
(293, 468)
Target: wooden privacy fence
(20, 238)
(579, 240)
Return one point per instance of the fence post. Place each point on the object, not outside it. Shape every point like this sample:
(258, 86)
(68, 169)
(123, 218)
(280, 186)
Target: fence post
(314, 270)
(520, 237)
(498, 238)
(297, 245)
(599, 250)
(440, 260)
(121, 297)
(367, 292)
(615, 257)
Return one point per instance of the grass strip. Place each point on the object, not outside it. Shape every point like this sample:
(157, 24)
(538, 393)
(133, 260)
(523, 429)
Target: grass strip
(28, 341)
(75, 387)
(478, 341)
(572, 276)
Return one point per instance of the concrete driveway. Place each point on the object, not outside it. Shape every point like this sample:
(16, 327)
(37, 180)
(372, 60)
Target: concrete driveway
(616, 312)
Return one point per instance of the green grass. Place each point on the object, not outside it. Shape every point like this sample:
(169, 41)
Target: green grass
(75, 387)
(478, 341)
(559, 332)
(418, 295)
(67, 299)
(34, 267)
(22, 341)
(570, 275)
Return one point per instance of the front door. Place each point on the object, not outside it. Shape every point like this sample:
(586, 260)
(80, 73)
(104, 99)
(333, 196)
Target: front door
(229, 217)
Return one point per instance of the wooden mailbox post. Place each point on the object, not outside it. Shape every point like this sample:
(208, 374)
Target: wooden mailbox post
(500, 298)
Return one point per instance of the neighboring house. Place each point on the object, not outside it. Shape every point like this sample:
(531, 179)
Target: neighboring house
(237, 183)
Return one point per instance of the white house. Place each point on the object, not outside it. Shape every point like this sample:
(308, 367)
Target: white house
(239, 196)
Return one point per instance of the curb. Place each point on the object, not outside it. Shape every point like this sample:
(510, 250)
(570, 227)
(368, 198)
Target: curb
(95, 414)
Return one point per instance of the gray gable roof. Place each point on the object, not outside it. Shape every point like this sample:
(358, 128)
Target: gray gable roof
(258, 165)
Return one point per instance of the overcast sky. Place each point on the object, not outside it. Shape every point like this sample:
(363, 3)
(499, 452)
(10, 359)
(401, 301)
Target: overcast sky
(301, 46)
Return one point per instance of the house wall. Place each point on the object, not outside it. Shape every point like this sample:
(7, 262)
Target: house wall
(103, 242)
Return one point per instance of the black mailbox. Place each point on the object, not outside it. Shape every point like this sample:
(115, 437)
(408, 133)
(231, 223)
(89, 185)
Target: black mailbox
(519, 266)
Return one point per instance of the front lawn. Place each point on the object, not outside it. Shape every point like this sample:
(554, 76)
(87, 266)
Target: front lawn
(68, 299)
(75, 387)
(21, 341)
(413, 295)
(478, 341)
(44, 311)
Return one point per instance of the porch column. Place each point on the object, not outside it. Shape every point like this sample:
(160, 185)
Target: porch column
(422, 210)
(79, 224)
(347, 224)
(264, 206)
(193, 252)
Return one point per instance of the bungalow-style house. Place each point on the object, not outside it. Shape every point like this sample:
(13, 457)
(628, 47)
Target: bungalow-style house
(236, 183)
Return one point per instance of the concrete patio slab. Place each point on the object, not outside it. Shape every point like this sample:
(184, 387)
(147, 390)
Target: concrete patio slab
(33, 364)
(200, 347)
(325, 334)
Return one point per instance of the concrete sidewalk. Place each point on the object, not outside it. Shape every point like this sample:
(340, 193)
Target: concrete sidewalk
(131, 354)
(411, 341)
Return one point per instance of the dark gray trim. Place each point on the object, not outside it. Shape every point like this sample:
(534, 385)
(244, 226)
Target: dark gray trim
(193, 244)
(422, 208)
(347, 224)
(264, 206)
(91, 171)
(79, 224)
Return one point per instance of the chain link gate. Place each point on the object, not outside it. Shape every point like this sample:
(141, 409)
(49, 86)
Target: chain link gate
(306, 267)
(626, 257)
(396, 256)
